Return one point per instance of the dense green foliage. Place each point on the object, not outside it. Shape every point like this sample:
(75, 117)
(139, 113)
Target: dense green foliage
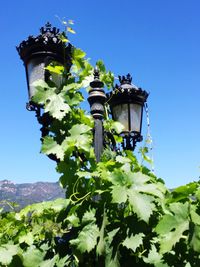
(117, 213)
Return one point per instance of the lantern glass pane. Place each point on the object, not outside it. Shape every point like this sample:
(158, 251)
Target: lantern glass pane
(35, 71)
(135, 117)
(120, 114)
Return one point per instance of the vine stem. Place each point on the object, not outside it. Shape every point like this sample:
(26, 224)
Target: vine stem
(149, 139)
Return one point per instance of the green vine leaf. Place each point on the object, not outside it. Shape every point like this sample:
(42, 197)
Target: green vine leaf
(137, 189)
(101, 247)
(7, 251)
(142, 183)
(101, 66)
(78, 139)
(50, 262)
(117, 126)
(50, 146)
(119, 194)
(56, 106)
(154, 256)
(134, 241)
(58, 69)
(87, 238)
(79, 129)
(33, 255)
(198, 194)
(143, 205)
(42, 92)
(195, 241)
(78, 53)
(63, 38)
(184, 192)
(73, 219)
(89, 217)
(28, 238)
(172, 226)
(53, 103)
(69, 29)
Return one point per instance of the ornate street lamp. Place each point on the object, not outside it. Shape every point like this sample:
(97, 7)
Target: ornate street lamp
(38, 52)
(126, 103)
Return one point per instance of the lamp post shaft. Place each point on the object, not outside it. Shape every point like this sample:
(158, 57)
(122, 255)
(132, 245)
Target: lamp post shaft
(97, 100)
(98, 138)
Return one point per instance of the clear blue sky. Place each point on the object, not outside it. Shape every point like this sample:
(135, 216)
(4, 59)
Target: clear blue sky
(157, 41)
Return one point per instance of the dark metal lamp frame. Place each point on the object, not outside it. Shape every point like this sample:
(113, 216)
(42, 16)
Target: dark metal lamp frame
(127, 93)
(49, 47)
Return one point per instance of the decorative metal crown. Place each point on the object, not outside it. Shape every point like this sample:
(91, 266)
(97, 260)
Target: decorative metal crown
(125, 79)
(48, 29)
(126, 92)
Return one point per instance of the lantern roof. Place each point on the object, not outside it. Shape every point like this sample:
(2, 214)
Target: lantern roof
(48, 41)
(126, 92)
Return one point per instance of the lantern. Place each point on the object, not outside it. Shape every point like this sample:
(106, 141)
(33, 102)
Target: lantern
(38, 52)
(126, 103)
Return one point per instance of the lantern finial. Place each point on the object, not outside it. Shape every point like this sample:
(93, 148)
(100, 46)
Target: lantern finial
(96, 73)
(49, 30)
(125, 79)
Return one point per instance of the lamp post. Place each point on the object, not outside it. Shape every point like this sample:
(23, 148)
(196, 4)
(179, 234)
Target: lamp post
(126, 100)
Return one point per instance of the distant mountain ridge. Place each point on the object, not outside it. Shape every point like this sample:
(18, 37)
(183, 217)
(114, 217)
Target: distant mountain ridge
(29, 193)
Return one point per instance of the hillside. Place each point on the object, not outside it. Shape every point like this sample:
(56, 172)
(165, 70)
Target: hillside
(28, 193)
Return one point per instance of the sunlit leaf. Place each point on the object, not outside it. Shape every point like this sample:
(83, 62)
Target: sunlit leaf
(49, 263)
(171, 226)
(134, 241)
(184, 191)
(33, 256)
(89, 216)
(50, 146)
(101, 66)
(71, 22)
(143, 205)
(87, 238)
(119, 194)
(42, 92)
(102, 244)
(63, 38)
(154, 256)
(195, 241)
(78, 53)
(55, 69)
(56, 106)
(7, 252)
(69, 29)
(27, 238)
(79, 129)
(117, 126)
